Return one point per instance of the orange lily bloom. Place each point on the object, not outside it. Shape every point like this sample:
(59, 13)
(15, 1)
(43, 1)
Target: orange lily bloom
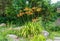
(26, 9)
(21, 14)
(34, 20)
(33, 8)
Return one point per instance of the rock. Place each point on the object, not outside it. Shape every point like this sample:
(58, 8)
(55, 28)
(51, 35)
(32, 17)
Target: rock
(57, 22)
(57, 38)
(49, 40)
(3, 24)
(12, 37)
(18, 28)
(45, 33)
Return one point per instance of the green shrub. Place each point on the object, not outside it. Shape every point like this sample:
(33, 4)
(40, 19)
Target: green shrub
(31, 29)
(2, 38)
(56, 28)
(28, 30)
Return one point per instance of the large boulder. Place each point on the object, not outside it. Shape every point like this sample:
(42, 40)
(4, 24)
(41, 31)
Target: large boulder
(2, 24)
(12, 37)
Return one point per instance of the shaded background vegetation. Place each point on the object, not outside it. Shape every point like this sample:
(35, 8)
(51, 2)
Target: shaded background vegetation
(10, 8)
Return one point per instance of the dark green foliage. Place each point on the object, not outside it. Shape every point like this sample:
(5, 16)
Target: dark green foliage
(57, 28)
(13, 7)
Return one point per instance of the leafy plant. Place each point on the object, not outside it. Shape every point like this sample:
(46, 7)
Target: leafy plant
(25, 10)
(38, 38)
(28, 30)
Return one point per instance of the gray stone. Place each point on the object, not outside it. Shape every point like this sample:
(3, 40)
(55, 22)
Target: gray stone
(57, 22)
(49, 40)
(57, 38)
(45, 33)
(12, 37)
(3, 24)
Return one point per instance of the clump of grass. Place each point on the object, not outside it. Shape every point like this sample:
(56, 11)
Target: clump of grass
(31, 29)
(38, 38)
